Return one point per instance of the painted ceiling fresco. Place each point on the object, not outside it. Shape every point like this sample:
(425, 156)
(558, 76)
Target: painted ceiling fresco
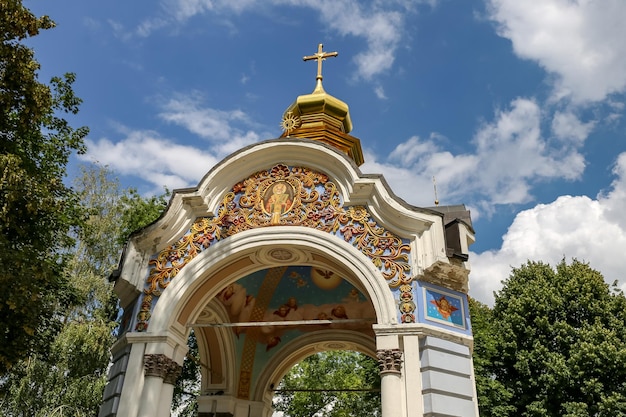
(285, 303)
(302, 295)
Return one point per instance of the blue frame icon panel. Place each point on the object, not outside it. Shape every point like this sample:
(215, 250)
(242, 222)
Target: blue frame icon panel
(444, 307)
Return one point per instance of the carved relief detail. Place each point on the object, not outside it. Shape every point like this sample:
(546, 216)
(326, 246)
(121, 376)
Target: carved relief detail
(389, 360)
(161, 366)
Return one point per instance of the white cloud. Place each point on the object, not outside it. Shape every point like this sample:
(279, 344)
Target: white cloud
(403, 182)
(566, 126)
(225, 129)
(578, 227)
(513, 153)
(381, 24)
(161, 161)
(510, 155)
(154, 159)
(581, 42)
(381, 28)
(615, 200)
(380, 92)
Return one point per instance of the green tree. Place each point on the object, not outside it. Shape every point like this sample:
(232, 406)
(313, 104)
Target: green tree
(140, 211)
(323, 373)
(560, 338)
(70, 379)
(493, 397)
(187, 388)
(37, 210)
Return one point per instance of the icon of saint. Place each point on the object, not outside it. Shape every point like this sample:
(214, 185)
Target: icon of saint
(278, 203)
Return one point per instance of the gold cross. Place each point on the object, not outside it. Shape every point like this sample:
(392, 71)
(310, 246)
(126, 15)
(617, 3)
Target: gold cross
(320, 56)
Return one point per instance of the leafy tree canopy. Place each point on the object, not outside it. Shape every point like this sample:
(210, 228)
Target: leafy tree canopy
(553, 345)
(37, 210)
(326, 372)
(69, 380)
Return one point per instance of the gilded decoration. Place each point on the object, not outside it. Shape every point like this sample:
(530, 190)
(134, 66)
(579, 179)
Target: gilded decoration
(407, 305)
(290, 122)
(282, 195)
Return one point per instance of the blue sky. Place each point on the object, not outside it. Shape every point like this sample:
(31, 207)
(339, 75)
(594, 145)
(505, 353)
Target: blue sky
(516, 107)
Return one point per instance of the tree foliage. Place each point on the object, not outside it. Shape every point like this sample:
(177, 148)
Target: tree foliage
(492, 394)
(553, 345)
(187, 387)
(37, 210)
(332, 370)
(70, 379)
(140, 211)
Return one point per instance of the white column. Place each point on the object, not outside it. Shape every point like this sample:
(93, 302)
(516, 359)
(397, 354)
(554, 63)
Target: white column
(152, 403)
(411, 369)
(167, 390)
(149, 402)
(390, 364)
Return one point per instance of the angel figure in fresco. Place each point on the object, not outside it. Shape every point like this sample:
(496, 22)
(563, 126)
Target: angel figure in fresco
(444, 307)
(278, 203)
(339, 312)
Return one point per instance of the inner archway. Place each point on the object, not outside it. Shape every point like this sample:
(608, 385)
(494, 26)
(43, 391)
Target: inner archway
(330, 382)
(256, 328)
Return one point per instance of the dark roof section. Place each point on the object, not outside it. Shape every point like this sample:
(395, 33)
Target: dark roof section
(454, 212)
(452, 217)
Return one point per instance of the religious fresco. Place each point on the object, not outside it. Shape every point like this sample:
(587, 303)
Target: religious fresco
(278, 200)
(281, 195)
(444, 307)
(300, 294)
(273, 307)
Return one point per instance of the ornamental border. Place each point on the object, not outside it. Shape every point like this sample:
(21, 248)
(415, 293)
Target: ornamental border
(289, 196)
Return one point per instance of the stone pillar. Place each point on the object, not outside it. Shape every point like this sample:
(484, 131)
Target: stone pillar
(157, 368)
(167, 391)
(412, 375)
(390, 365)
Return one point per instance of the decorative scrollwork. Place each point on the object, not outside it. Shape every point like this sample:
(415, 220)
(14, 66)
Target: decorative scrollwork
(407, 305)
(282, 195)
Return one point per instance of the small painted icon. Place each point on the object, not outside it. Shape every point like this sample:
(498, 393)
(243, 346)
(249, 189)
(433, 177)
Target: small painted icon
(278, 200)
(444, 307)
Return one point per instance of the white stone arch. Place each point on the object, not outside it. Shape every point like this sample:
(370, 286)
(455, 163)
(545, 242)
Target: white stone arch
(181, 298)
(224, 352)
(355, 188)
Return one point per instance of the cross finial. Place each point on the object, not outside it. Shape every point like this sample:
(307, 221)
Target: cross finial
(320, 56)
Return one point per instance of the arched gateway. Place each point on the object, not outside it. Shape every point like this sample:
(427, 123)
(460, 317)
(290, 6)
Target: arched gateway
(286, 249)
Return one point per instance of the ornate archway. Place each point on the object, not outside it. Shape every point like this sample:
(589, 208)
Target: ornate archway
(284, 248)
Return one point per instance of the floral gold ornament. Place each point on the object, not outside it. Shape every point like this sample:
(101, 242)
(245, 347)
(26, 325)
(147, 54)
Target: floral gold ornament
(281, 195)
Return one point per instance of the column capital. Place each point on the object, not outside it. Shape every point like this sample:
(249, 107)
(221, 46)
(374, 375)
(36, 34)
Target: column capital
(161, 366)
(173, 372)
(389, 360)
